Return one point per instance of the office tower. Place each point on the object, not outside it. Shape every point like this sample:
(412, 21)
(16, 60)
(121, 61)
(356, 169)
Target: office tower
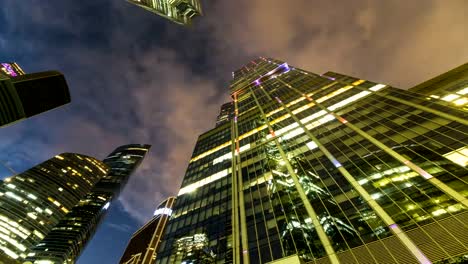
(179, 11)
(145, 242)
(11, 69)
(451, 87)
(33, 202)
(226, 114)
(325, 169)
(69, 237)
(26, 95)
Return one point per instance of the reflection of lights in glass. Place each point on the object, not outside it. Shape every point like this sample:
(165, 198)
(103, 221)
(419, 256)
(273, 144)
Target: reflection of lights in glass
(106, 206)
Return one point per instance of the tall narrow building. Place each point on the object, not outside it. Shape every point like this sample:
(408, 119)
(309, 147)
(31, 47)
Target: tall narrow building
(26, 95)
(33, 202)
(145, 242)
(324, 169)
(179, 11)
(67, 240)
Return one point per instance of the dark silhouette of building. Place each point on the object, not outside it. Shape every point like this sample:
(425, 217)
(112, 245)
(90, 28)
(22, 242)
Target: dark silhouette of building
(145, 242)
(26, 95)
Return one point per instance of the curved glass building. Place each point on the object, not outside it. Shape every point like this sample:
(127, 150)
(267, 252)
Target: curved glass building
(69, 237)
(33, 202)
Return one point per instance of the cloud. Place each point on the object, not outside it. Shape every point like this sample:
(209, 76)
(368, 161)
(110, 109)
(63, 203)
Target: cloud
(396, 42)
(136, 78)
(121, 227)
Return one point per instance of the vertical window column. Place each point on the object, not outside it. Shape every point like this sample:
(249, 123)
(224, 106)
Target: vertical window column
(311, 212)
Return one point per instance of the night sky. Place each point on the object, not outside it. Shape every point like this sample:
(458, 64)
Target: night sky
(135, 77)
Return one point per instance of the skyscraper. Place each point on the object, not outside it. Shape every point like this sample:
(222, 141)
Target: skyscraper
(33, 202)
(324, 169)
(145, 242)
(25, 95)
(179, 11)
(451, 87)
(69, 237)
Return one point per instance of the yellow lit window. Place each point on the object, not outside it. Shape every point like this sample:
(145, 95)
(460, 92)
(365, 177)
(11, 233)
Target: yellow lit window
(450, 97)
(461, 101)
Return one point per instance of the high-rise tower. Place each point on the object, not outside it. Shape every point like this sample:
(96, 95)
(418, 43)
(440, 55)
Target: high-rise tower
(179, 11)
(33, 202)
(25, 95)
(145, 242)
(69, 237)
(325, 169)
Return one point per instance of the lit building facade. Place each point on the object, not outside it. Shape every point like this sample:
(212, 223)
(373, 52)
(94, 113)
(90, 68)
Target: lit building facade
(25, 95)
(325, 169)
(179, 11)
(144, 244)
(226, 114)
(33, 202)
(11, 69)
(451, 87)
(69, 237)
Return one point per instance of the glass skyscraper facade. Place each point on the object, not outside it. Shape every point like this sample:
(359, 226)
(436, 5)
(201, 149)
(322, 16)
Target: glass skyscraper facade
(33, 202)
(179, 11)
(324, 169)
(144, 244)
(69, 237)
(25, 95)
(451, 87)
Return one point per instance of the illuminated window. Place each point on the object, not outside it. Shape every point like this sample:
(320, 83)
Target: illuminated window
(192, 187)
(463, 91)
(312, 145)
(459, 156)
(377, 87)
(461, 101)
(450, 97)
(348, 100)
